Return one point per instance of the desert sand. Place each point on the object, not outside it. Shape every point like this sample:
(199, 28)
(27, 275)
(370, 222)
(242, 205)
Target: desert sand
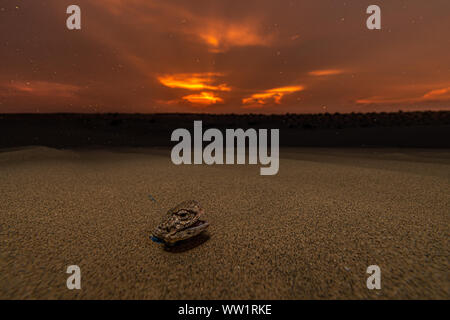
(309, 232)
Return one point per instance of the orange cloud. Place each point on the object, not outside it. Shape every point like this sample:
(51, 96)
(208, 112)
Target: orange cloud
(203, 99)
(438, 93)
(381, 100)
(43, 88)
(221, 36)
(263, 98)
(193, 81)
(432, 95)
(326, 72)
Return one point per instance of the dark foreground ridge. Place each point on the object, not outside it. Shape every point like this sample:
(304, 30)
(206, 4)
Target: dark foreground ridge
(429, 129)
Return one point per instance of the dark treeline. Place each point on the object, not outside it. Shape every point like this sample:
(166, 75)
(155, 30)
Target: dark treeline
(397, 129)
(303, 121)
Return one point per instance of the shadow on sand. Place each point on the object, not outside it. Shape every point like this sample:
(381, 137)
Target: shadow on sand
(189, 244)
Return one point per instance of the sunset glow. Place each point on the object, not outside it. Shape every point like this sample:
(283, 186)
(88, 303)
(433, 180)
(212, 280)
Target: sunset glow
(432, 95)
(438, 93)
(173, 56)
(195, 81)
(271, 95)
(203, 99)
(223, 37)
(329, 72)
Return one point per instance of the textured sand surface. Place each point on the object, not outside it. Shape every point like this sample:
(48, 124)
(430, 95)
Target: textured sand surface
(309, 232)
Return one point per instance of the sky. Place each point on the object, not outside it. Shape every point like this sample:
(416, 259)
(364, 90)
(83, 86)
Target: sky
(224, 56)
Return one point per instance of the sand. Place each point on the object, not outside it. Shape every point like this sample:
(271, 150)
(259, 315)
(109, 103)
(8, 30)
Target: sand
(308, 233)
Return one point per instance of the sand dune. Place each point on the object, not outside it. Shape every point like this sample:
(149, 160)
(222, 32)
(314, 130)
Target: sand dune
(308, 232)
